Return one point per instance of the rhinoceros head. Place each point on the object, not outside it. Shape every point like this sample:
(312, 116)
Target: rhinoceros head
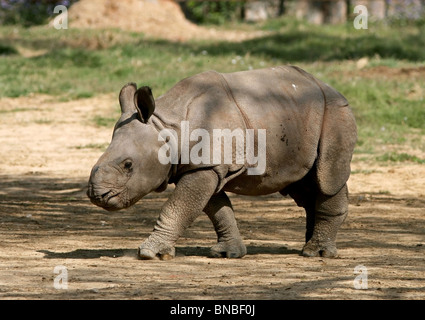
(129, 169)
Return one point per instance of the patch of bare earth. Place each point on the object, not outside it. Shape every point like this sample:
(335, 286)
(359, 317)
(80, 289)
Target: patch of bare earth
(47, 149)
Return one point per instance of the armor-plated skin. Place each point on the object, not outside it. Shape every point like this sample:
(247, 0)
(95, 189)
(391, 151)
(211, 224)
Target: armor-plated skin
(310, 137)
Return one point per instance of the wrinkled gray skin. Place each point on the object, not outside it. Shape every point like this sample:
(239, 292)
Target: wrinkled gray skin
(311, 133)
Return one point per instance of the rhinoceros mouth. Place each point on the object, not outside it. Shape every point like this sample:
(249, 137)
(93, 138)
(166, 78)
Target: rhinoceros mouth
(110, 200)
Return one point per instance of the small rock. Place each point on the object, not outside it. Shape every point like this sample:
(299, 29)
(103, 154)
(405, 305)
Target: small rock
(361, 63)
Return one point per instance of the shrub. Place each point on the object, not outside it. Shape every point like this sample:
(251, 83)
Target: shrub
(213, 12)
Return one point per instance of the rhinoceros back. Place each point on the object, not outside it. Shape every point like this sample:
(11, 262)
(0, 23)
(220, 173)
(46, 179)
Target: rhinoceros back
(286, 101)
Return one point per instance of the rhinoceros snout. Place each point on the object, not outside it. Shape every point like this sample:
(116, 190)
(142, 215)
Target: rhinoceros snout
(105, 199)
(96, 196)
(95, 192)
(108, 199)
(102, 193)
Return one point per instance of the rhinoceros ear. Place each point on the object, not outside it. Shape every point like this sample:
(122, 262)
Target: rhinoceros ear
(145, 103)
(127, 97)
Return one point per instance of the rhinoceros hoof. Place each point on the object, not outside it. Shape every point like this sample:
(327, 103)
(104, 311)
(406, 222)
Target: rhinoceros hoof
(315, 249)
(149, 254)
(229, 249)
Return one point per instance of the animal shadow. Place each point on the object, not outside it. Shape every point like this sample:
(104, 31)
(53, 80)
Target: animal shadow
(89, 253)
(180, 251)
(251, 250)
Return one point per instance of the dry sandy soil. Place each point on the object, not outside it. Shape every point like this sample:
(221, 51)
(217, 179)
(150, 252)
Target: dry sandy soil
(47, 149)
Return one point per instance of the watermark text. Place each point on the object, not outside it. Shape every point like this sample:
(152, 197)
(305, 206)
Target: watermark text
(218, 149)
(360, 281)
(60, 282)
(60, 21)
(360, 21)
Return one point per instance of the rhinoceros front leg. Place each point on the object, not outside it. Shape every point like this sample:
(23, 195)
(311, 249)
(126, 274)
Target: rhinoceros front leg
(229, 244)
(330, 213)
(189, 198)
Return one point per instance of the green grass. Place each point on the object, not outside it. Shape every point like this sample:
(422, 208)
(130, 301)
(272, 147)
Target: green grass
(15, 110)
(108, 122)
(100, 146)
(399, 157)
(75, 64)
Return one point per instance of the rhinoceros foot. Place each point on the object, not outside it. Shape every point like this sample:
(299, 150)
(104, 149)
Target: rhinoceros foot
(149, 251)
(228, 249)
(315, 249)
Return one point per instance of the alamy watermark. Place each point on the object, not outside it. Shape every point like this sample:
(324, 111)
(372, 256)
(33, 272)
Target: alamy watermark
(208, 150)
(360, 21)
(60, 282)
(360, 281)
(60, 21)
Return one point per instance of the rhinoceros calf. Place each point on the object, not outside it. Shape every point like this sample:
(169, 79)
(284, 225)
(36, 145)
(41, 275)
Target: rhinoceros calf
(302, 130)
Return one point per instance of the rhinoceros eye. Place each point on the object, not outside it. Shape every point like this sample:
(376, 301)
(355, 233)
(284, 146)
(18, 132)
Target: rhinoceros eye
(127, 165)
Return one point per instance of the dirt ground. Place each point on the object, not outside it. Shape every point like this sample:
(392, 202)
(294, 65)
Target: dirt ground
(47, 149)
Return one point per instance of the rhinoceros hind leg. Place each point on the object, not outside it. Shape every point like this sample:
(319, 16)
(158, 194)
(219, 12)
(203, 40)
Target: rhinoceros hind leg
(229, 242)
(304, 194)
(324, 215)
(330, 213)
